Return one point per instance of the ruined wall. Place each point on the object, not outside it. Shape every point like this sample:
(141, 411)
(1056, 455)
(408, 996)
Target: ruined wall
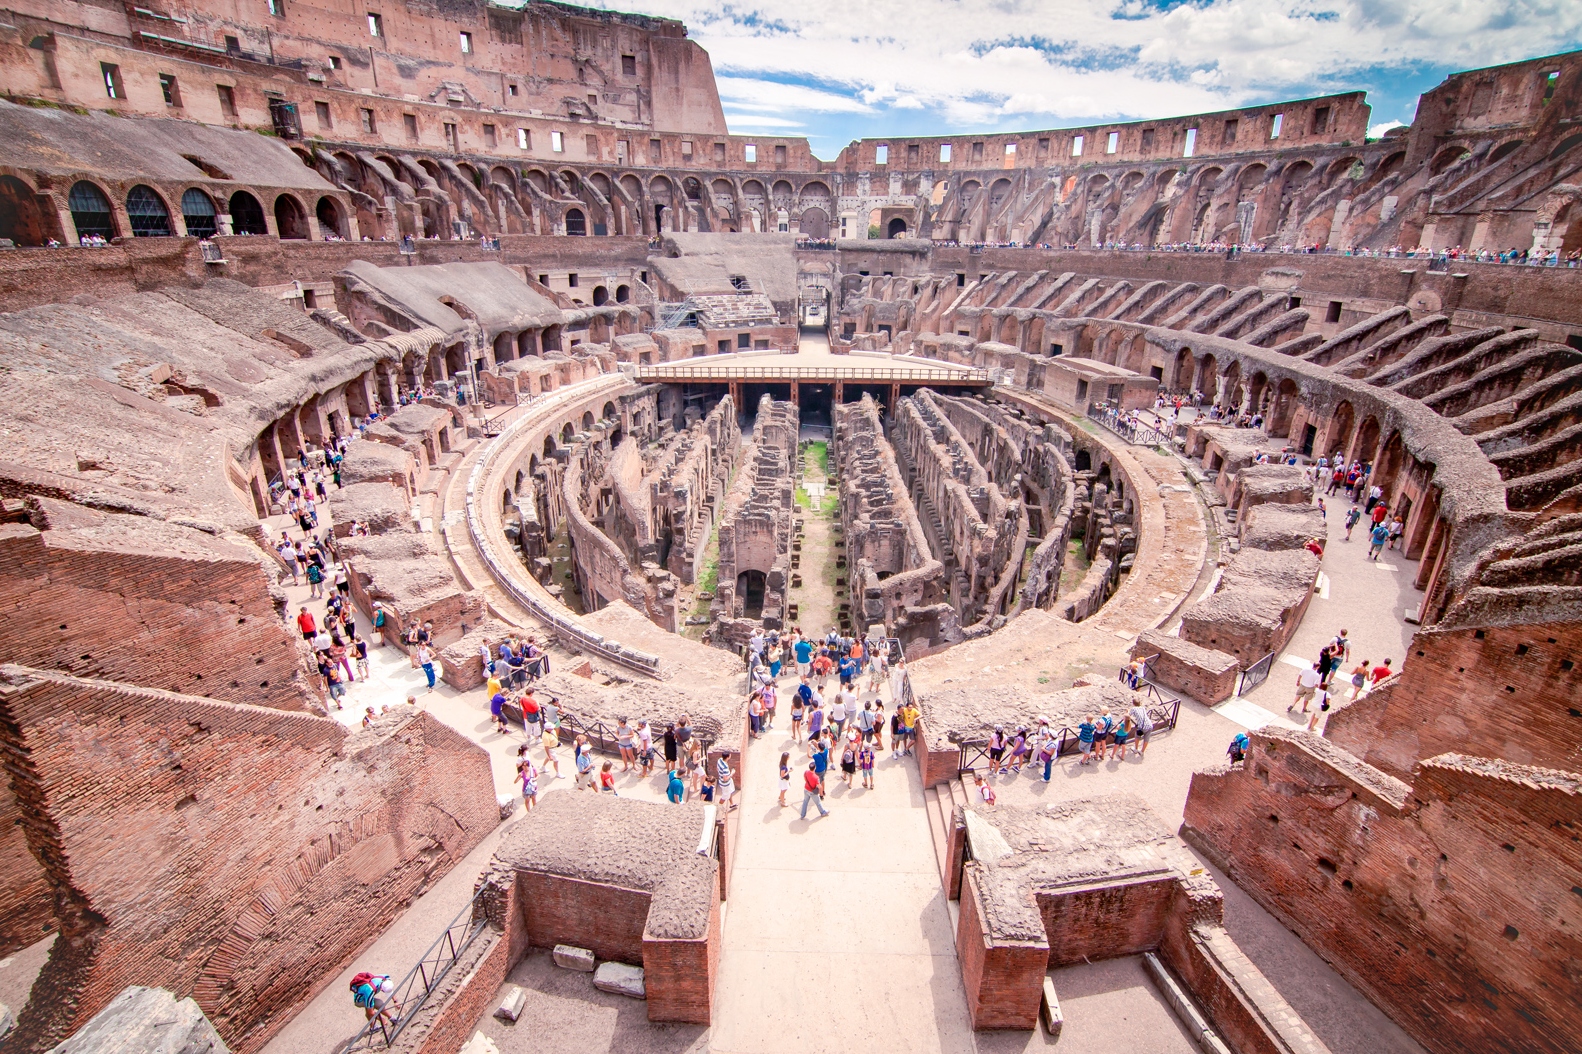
(892, 569)
(1501, 691)
(1449, 902)
(688, 487)
(756, 521)
(233, 853)
(27, 904)
(980, 530)
(135, 599)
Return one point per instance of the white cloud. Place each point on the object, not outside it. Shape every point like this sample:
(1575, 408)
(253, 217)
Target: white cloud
(977, 61)
(740, 122)
(1376, 131)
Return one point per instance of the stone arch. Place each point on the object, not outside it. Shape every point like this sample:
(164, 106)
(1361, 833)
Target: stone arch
(1257, 388)
(504, 347)
(601, 295)
(504, 176)
(815, 194)
(1366, 445)
(587, 420)
(330, 217)
(549, 446)
(896, 228)
(999, 190)
(608, 412)
(1447, 158)
(1131, 181)
(147, 212)
(1565, 146)
(1207, 380)
(1340, 427)
(198, 213)
(1383, 170)
(1506, 149)
(526, 344)
(291, 220)
(538, 178)
(1340, 168)
(21, 218)
(90, 210)
(576, 223)
(623, 294)
(1230, 386)
(814, 222)
(1181, 378)
(1283, 410)
(1392, 458)
(969, 192)
(1083, 462)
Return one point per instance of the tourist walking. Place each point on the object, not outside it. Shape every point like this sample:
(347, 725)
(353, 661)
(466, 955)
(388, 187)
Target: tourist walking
(725, 781)
(813, 791)
(425, 660)
(785, 776)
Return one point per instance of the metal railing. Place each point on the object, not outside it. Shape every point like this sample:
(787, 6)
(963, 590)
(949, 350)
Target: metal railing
(789, 372)
(605, 738)
(1164, 710)
(1255, 675)
(1131, 431)
(420, 982)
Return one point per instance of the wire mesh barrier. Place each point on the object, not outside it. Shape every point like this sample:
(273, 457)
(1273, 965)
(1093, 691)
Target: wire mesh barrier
(1133, 430)
(394, 1012)
(1255, 675)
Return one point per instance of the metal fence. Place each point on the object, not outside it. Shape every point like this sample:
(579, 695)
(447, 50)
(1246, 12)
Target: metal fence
(1133, 431)
(1164, 710)
(789, 372)
(1255, 675)
(420, 982)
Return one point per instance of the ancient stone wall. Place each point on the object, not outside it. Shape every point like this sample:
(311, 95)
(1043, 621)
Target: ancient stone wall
(135, 599)
(232, 853)
(1448, 902)
(896, 581)
(756, 524)
(980, 530)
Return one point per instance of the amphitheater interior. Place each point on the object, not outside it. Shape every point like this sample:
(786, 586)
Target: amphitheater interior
(1055, 434)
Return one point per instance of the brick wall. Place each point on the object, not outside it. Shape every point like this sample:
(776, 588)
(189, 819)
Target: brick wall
(680, 974)
(607, 919)
(1502, 691)
(233, 853)
(1450, 904)
(1004, 982)
(196, 622)
(1114, 915)
(27, 907)
(1206, 675)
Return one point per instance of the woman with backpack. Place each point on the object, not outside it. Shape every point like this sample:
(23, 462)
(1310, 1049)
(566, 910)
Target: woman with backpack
(374, 993)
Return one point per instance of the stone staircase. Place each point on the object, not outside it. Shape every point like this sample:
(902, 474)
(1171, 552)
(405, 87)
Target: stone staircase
(940, 802)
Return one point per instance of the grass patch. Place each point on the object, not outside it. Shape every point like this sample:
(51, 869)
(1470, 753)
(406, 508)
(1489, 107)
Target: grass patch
(1076, 565)
(816, 452)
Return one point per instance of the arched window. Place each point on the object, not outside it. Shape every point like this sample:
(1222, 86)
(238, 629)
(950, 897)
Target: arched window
(576, 223)
(601, 296)
(150, 218)
(21, 219)
(247, 215)
(90, 210)
(197, 209)
(623, 293)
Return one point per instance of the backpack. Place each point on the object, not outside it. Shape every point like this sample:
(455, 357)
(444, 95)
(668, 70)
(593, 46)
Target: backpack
(363, 989)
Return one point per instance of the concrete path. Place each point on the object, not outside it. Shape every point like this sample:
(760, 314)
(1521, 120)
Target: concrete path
(838, 935)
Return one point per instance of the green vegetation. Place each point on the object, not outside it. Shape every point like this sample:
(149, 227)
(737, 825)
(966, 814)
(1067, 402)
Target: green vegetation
(816, 452)
(1076, 565)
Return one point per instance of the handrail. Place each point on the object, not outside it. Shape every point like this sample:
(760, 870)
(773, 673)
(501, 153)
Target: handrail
(399, 1010)
(787, 371)
(1164, 710)
(1254, 675)
(1131, 431)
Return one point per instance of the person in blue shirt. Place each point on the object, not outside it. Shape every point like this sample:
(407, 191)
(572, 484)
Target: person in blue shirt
(821, 763)
(848, 666)
(675, 790)
(804, 657)
(1085, 732)
(1376, 539)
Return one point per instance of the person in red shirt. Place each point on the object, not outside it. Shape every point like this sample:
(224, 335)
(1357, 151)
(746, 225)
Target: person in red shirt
(306, 624)
(1381, 672)
(1380, 511)
(812, 791)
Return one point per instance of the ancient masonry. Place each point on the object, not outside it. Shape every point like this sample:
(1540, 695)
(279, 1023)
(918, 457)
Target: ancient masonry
(756, 525)
(566, 300)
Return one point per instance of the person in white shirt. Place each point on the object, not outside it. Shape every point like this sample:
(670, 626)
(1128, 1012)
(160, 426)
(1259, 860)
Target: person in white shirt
(1306, 684)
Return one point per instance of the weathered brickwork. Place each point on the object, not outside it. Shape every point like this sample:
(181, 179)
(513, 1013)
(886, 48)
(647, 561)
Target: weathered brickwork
(27, 910)
(1451, 903)
(131, 599)
(193, 843)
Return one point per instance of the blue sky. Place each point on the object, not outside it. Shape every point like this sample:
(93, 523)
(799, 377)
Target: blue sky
(838, 70)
